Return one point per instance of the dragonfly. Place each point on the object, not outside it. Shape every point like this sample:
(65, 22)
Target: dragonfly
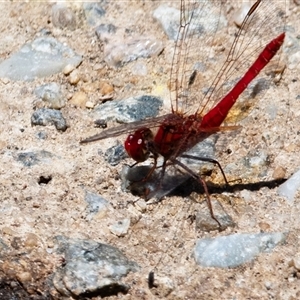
(257, 40)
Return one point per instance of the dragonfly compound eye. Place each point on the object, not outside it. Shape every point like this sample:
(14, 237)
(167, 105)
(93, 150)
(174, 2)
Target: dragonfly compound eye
(137, 143)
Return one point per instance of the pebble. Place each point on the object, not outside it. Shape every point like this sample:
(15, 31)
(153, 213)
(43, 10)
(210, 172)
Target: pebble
(93, 12)
(294, 60)
(205, 222)
(264, 226)
(128, 110)
(5, 80)
(141, 205)
(42, 57)
(90, 87)
(118, 51)
(105, 31)
(47, 116)
(8, 231)
(3, 246)
(257, 159)
(89, 104)
(95, 203)
(241, 13)
(68, 69)
(236, 249)
(169, 18)
(279, 173)
(106, 89)
(31, 240)
(139, 69)
(161, 286)
(90, 267)
(79, 99)
(120, 228)
(51, 94)
(24, 277)
(114, 155)
(296, 261)
(289, 188)
(74, 77)
(29, 159)
(63, 17)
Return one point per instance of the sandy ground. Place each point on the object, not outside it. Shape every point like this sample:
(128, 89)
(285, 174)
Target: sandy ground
(162, 237)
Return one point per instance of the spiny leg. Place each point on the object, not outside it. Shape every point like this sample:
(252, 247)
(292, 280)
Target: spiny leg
(211, 160)
(197, 177)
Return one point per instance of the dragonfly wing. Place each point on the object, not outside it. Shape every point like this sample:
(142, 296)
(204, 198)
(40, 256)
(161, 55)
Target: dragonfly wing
(126, 128)
(200, 42)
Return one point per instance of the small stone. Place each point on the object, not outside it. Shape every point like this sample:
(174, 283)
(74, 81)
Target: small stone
(289, 188)
(169, 18)
(40, 58)
(160, 286)
(63, 17)
(31, 240)
(120, 228)
(5, 80)
(119, 52)
(207, 20)
(90, 87)
(129, 110)
(79, 99)
(264, 226)
(91, 268)
(47, 116)
(16, 243)
(106, 88)
(296, 261)
(93, 12)
(24, 277)
(241, 13)
(8, 231)
(74, 77)
(236, 249)
(139, 69)
(141, 205)
(115, 154)
(51, 93)
(205, 222)
(105, 31)
(68, 69)
(96, 203)
(279, 173)
(90, 104)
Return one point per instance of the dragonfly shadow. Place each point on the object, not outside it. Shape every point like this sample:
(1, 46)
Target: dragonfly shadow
(136, 181)
(192, 185)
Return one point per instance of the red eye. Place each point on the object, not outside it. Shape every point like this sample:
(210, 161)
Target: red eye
(136, 144)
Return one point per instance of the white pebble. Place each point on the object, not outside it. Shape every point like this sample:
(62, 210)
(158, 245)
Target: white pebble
(290, 187)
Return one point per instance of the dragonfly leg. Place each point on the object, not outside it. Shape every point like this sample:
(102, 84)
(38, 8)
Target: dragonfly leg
(211, 160)
(197, 177)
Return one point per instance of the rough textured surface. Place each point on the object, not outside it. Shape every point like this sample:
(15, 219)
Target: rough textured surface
(45, 174)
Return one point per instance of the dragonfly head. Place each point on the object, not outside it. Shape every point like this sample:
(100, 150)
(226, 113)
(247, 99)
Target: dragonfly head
(137, 144)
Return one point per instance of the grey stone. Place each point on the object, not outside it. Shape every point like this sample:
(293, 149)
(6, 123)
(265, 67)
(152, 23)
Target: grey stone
(91, 268)
(47, 116)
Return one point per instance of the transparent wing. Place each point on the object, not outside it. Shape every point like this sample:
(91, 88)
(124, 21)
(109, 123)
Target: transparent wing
(126, 128)
(201, 26)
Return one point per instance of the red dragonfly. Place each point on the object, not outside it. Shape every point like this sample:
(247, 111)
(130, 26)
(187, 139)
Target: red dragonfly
(180, 130)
